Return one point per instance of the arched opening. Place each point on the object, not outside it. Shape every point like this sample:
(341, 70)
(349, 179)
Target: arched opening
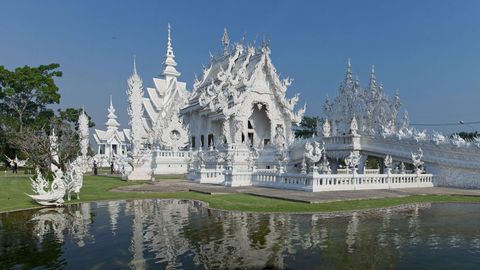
(211, 141)
(259, 131)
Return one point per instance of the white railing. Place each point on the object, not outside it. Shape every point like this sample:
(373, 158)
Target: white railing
(370, 181)
(371, 171)
(283, 180)
(208, 176)
(331, 182)
(171, 154)
(265, 170)
(238, 179)
(342, 139)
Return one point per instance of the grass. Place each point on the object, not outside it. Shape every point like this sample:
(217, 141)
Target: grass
(97, 188)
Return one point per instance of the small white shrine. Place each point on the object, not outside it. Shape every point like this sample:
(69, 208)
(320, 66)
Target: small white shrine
(111, 142)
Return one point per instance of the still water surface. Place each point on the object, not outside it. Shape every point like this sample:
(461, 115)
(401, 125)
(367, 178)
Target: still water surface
(158, 234)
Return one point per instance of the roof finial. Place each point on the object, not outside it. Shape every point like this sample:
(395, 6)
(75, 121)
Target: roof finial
(169, 64)
(349, 75)
(169, 43)
(134, 64)
(225, 41)
(112, 123)
(373, 79)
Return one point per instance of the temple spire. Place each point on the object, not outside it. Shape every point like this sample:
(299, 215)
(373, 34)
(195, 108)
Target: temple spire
(169, 64)
(225, 41)
(112, 123)
(349, 75)
(373, 79)
(135, 65)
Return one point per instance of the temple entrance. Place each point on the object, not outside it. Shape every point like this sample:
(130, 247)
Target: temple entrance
(258, 125)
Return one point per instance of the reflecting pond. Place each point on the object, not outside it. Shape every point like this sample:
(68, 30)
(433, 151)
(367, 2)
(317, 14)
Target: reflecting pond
(158, 234)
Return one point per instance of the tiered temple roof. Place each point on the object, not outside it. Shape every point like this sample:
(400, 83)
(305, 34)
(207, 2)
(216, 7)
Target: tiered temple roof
(112, 135)
(231, 76)
(168, 95)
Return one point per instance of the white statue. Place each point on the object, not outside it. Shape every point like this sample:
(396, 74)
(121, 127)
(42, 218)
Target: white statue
(438, 138)
(39, 184)
(73, 178)
(83, 134)
(353, 126)
(303, 166)
(402, 168)
(313, 153)
(326, 129)
(324, 167)
(417, 160)
(352, 161)
(20, 163)
(279, 136)
(54, 195)
(420, 136)
(388, 163)
(135, 109)
(458, 141)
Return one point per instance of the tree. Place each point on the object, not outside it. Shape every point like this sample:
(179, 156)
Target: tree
(71, 115)
(26, 122)
(36, 145)
(308, 127)
(468, 136)
(25, 92)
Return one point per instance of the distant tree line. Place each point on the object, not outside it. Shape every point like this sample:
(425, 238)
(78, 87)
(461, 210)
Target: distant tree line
(26, 121)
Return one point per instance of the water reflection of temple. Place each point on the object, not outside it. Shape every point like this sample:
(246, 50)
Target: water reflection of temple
(215, 239)
(184, 234)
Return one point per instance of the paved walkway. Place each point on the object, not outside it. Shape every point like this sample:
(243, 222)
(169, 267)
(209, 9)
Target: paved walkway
(293, 195)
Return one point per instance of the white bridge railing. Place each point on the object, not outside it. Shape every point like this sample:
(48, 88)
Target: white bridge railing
(331, 182)
(171, 154)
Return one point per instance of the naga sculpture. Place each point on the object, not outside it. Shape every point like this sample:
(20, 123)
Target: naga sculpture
(52, 196)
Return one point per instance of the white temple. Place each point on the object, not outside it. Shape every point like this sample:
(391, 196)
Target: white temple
(235, 129)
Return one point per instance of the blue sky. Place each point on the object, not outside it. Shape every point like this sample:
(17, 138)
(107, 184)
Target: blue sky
(429, 50)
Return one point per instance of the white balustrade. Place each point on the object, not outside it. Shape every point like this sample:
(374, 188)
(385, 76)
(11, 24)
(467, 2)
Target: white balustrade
(331, 182)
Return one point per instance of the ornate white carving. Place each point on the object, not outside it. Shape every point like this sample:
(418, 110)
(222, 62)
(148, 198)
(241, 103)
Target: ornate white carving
(417, 160)
(83, 133)
(388, 163)
(353, 126)
(374, 111)
(352, 161)
(39, 183)
(324, 167)
(458, 141)
(52, 196)
(438, 138)
(73, 177)
(175, 134)
(135, 109)
(12, 161)
(326, 128)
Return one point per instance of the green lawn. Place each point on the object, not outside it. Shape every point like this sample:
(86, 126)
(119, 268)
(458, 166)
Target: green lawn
(96, 188)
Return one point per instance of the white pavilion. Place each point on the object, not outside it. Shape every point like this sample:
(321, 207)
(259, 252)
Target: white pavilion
(111, 142)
